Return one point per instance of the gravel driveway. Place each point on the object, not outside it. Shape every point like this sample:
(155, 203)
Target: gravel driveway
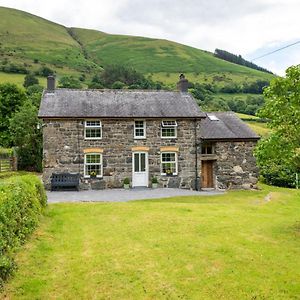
(122, 195)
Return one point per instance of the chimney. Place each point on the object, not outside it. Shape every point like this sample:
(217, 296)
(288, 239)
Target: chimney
(50, 83)
(182, 84)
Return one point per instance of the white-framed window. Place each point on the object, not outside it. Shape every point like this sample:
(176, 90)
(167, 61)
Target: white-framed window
(169, 164)
(168, 129)
(92, 130)
(93, 166)
(139, 129)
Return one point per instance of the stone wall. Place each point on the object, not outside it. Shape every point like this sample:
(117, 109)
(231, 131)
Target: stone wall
(64, 144)
(235, 166)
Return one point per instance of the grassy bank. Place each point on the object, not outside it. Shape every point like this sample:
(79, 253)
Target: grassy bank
(241, 245)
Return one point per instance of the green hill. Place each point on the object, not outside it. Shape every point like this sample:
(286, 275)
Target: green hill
(30, 41)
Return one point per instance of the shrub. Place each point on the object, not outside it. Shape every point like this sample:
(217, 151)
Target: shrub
(118, 85)
(30, 80)
(22, 199)
(70, 82)
(126, 180)
(154, 180)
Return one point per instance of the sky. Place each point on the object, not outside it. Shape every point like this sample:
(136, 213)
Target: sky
(247, 27)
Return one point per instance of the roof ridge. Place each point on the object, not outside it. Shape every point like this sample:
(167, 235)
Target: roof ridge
(119, 90)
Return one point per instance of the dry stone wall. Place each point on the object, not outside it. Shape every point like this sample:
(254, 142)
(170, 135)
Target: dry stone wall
(64, 144)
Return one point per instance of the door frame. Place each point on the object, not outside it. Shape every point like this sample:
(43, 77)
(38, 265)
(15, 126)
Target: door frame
(146, 168)
(211, 163)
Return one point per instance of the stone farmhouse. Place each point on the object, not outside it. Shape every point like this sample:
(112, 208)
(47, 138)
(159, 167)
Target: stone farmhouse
(108, 135)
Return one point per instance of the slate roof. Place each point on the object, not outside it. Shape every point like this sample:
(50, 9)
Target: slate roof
(70, 103)
(228, 127)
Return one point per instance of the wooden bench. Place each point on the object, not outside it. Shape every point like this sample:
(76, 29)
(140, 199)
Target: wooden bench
(64, 180)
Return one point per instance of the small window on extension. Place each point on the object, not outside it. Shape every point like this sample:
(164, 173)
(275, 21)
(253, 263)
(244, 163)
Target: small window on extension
(207, 148)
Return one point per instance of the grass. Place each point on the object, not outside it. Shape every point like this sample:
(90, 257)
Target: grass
(232, 246)
(18, 79)
(259, 127)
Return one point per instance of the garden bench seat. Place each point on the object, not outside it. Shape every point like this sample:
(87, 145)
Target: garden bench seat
(64, 180)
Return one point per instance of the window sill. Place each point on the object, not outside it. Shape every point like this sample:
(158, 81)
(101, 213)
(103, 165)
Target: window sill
(93, 138)
(168, 137)
(166, 175)
(139, 137)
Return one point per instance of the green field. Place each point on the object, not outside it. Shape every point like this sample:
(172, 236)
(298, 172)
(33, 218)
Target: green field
(32, 41)
(261, 128)
(240, 245)
(18, 79)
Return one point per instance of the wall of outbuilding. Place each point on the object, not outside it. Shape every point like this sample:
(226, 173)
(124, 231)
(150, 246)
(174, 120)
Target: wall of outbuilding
(235, 166)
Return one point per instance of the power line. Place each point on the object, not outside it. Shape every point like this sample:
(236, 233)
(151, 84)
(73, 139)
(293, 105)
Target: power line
(276, 50)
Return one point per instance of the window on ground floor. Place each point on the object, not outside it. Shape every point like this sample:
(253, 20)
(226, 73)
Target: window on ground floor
(93, 165)
(169, 163)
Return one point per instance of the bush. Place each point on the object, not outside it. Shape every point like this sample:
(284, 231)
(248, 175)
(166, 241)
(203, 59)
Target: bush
(118, 85)
(70, 82)
(45, 71)
(282, 177)
(22, 199)
(30, 80)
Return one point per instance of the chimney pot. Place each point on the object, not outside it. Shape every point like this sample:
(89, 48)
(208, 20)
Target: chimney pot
(182, 84)
(51, 83)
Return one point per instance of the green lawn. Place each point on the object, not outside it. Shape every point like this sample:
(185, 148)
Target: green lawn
(232, 246)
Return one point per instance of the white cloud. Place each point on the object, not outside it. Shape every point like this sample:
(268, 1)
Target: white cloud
(241, 27)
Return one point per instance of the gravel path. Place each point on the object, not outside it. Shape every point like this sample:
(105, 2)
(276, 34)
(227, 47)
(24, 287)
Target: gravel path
(121, 195)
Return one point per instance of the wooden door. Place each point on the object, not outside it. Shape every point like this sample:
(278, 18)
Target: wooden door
(207, 178)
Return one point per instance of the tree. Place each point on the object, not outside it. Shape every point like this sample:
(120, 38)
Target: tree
(45, 71)
(30, 80)
(27, 137)
(69, 82)
(125, 74)
(279, 154)
(11, 97)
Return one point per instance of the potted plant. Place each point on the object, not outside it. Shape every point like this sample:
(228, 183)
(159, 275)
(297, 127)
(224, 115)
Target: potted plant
(154, 182)
(93, 174)
(169, 172)
(126, 183)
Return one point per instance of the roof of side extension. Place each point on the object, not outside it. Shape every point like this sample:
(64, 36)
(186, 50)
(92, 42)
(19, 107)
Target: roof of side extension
(226, 126)
(71, 103)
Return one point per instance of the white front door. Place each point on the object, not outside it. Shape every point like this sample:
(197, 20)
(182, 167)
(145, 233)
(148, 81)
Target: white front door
(139, 169)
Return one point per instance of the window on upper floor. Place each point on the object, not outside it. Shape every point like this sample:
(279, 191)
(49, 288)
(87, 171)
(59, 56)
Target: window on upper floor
(168, 129)
(93, 165)
(169, 163)
(139, 129)
(207, 148)
(93, 130)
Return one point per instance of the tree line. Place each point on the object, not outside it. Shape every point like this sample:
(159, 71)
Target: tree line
(238, 59)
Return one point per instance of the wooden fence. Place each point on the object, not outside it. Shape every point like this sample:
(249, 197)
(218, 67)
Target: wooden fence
(8, 164)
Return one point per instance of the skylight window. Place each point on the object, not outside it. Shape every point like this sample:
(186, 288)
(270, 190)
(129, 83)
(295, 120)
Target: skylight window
(213, 118)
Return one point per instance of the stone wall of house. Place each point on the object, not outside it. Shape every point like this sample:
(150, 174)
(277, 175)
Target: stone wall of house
(235, 166)
(64, 144)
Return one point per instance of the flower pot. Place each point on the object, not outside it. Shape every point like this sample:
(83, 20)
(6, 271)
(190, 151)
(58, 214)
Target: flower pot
(126, 186)
(154, 185)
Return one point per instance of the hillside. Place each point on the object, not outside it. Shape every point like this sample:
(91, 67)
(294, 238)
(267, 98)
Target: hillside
(32, 41)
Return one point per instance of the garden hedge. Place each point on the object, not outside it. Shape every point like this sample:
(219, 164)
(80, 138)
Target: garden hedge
(22, 199)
